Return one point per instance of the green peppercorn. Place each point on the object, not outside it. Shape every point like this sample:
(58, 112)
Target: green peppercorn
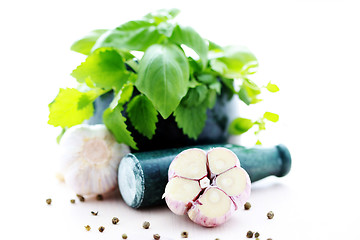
(156, 236)
(101, 229)
(80, 197)
(257, 234)
(115, 220)
(87, 227)
(184, 234)
(124, 236)
(72, 201)
(249, 234)
(146, 225)
(99, 197)
(270, 215)
(247, 206)
(48, 201)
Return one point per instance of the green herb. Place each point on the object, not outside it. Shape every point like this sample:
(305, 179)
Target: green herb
(165, 81)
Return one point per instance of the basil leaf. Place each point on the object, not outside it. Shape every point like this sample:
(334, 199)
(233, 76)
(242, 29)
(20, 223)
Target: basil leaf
(115, 122)
(189, 37)
(248, 92)
(235, 62)
(85, 44)
(143, 115)
(122, 96)
(195, 96)
(133, 35)
(105, 68)
(191, 119)
(240, 125)
(163, 77)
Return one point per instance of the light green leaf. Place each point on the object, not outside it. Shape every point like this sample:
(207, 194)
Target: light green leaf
(65, 111)
(273, 117)
(234, 62)
(206, 78)
(162, 15)
(211, 98)
(240, 125)
(85, 44)
(122, 96)
(190, 38)
(115, 122)
(191, 119)
(272, 87)
(89, 97)
(132, 35)
(104, 68)
(163, 77)
(143, 115)
(248, 92)
(258, 142)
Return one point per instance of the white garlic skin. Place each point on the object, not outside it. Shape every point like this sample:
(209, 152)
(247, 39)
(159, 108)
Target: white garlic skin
(89, 158)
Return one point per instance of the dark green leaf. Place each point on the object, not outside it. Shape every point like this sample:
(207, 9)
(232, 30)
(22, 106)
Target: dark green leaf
(191, 119)
(133, 35)
(248, 92)
(115, 122)
(143, 115)
(195, 96)
(164, 77)
(240, 125)
(206, 78)
(104, 68)
(190, 38)
(85, 44)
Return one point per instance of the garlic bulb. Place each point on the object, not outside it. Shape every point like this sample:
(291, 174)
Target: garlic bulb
(90, 157)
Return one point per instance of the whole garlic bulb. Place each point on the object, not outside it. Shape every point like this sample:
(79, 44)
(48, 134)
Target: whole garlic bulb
(89, 159)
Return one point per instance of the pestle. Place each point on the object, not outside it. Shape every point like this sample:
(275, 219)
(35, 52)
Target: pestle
(143, 175)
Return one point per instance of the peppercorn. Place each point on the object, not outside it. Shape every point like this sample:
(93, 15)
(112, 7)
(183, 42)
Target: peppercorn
(72, 200)
(249, 234)
(124, 236)
(146, 225)
(101, 229)
(270, 215)
(115, 220)
(87, 227)
(81, 198)
(99, 197)
(156, 236)
(184, 234)
(257, 234)
(247, 206)
(94, 213)
(269, 239)
(48, 201)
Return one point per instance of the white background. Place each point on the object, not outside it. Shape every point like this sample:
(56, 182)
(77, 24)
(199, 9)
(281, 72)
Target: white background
(310, 49)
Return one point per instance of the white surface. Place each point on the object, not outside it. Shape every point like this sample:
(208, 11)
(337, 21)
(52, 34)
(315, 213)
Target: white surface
(310, 49)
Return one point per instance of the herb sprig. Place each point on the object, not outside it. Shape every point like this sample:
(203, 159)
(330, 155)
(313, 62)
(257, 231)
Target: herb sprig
(168, 81)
